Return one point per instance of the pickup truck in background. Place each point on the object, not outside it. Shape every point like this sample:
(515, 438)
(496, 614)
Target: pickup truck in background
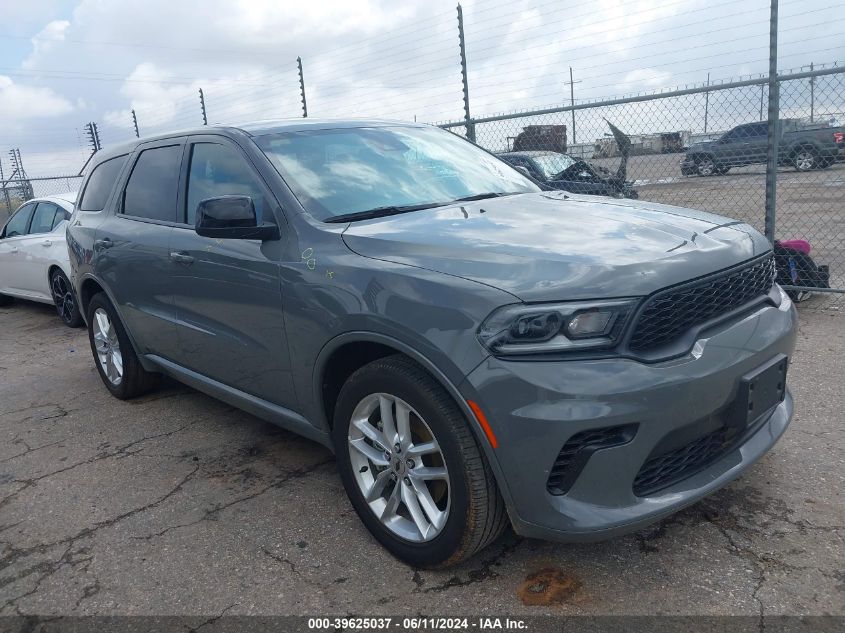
(803, 146)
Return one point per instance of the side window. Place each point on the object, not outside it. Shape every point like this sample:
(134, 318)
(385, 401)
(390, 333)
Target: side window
(19, 222)
(152, 187)
(42, 219)
(218, 170)
(759, 129)
(61, 216)
(100, 184)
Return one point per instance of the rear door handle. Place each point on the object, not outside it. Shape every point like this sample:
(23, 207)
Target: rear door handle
(182, 258)
(47, 243)
(103, 243)
(14, 250)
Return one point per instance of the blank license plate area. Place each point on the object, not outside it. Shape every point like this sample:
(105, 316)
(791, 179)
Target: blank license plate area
(764, 388)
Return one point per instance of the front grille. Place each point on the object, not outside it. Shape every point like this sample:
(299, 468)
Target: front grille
(671, 313)
(664, 470)
(577, 451)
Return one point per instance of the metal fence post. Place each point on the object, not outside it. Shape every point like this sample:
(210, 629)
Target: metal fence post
(135, 124)
(202, 107)
(706, 104)
(812, 95)
(470, 126)
(302, 88)
(774, 127)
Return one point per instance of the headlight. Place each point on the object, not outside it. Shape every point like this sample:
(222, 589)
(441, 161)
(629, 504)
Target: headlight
(555, 327)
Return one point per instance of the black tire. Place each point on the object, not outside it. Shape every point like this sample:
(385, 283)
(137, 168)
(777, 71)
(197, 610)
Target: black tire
(706, 166)
(806, 159)
(477, 513)
(134, 381)
(65, 299)
(6, 300)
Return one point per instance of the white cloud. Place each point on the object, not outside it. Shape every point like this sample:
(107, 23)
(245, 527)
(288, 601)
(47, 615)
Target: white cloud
(49, 38)
(645, 77)
(19, 102)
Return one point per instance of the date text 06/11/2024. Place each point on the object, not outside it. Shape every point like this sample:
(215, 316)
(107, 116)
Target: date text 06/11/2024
(416, 623)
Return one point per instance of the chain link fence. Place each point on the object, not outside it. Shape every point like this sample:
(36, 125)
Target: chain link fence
(13, 193)
(704, 148)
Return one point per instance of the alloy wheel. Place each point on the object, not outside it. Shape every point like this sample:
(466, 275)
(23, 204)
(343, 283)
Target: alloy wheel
(107, 347)
(63, 297)
(804, 160)
(399, 467)
(706, 167)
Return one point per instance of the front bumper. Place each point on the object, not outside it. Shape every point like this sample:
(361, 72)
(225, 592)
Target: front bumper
(535, 407)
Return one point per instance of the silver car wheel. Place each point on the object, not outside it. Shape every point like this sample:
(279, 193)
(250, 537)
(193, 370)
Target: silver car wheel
(706, 167)
(804, 160)
(399, 467)
(107, 347)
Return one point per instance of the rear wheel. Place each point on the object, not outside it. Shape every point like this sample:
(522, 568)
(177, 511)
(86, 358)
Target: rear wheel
(806, 159)
(412, 467)
(64, 299)
(116, 361)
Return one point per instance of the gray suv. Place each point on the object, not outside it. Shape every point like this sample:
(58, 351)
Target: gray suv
(477, 351)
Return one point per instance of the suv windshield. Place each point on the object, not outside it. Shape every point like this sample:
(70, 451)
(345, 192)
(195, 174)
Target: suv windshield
(553, 164)
(345, 171)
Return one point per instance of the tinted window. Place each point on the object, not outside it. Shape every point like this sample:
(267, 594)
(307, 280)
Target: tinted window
(17, 225)
(218, 170)
(151, 190)
(100, 184)
(42, 219)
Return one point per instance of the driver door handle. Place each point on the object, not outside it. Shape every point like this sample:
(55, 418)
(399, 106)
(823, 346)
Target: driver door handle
(14, 250)
(181, 258)
(47, 243)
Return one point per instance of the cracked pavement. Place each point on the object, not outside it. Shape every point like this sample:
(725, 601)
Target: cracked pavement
(176, 504)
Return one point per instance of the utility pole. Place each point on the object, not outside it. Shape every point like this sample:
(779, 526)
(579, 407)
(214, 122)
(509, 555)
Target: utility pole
(302, 88)
(470, 126)
(774, 128)
(135, 124)
(571, 83)
(202, 107)
(812, 95)
(706, 103)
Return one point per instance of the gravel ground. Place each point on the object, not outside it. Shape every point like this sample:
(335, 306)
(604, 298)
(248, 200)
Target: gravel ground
(177, 504)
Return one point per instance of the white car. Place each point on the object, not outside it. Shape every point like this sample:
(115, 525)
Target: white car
(34, 261)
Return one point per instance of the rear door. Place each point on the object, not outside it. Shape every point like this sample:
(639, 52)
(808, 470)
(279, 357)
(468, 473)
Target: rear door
(131, 250)
(36, 251)
(10, 249)
(227, 292)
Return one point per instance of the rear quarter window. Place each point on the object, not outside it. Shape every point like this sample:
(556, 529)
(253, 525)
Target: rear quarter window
(100, 184)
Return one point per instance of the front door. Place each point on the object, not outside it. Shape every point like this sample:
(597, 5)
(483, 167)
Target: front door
(227, 293)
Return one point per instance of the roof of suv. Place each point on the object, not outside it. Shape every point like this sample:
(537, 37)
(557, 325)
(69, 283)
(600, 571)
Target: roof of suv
(256, 128)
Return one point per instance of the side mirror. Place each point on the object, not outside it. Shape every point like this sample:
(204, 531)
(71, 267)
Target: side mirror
(522, 169)
(232, 218)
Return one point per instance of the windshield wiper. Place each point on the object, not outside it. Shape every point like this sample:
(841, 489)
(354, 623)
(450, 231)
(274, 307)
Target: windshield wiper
(482, 196)
(380, 212)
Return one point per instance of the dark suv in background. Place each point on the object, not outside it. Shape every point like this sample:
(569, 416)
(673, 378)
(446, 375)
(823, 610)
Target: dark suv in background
(476, 351)
(801, 145)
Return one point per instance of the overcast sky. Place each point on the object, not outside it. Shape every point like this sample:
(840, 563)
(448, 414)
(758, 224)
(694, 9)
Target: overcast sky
(66, 62)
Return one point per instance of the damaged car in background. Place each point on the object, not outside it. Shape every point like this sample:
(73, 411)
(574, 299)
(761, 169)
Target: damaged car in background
(543, 158)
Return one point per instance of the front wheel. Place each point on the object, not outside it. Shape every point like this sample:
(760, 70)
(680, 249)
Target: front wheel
(412, 467)
(64, 299)
(116, 361)
(705, 166)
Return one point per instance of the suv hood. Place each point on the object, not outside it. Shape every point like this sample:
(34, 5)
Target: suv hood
(557, 246)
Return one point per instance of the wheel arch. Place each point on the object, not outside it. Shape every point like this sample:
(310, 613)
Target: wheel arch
(387, 345)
